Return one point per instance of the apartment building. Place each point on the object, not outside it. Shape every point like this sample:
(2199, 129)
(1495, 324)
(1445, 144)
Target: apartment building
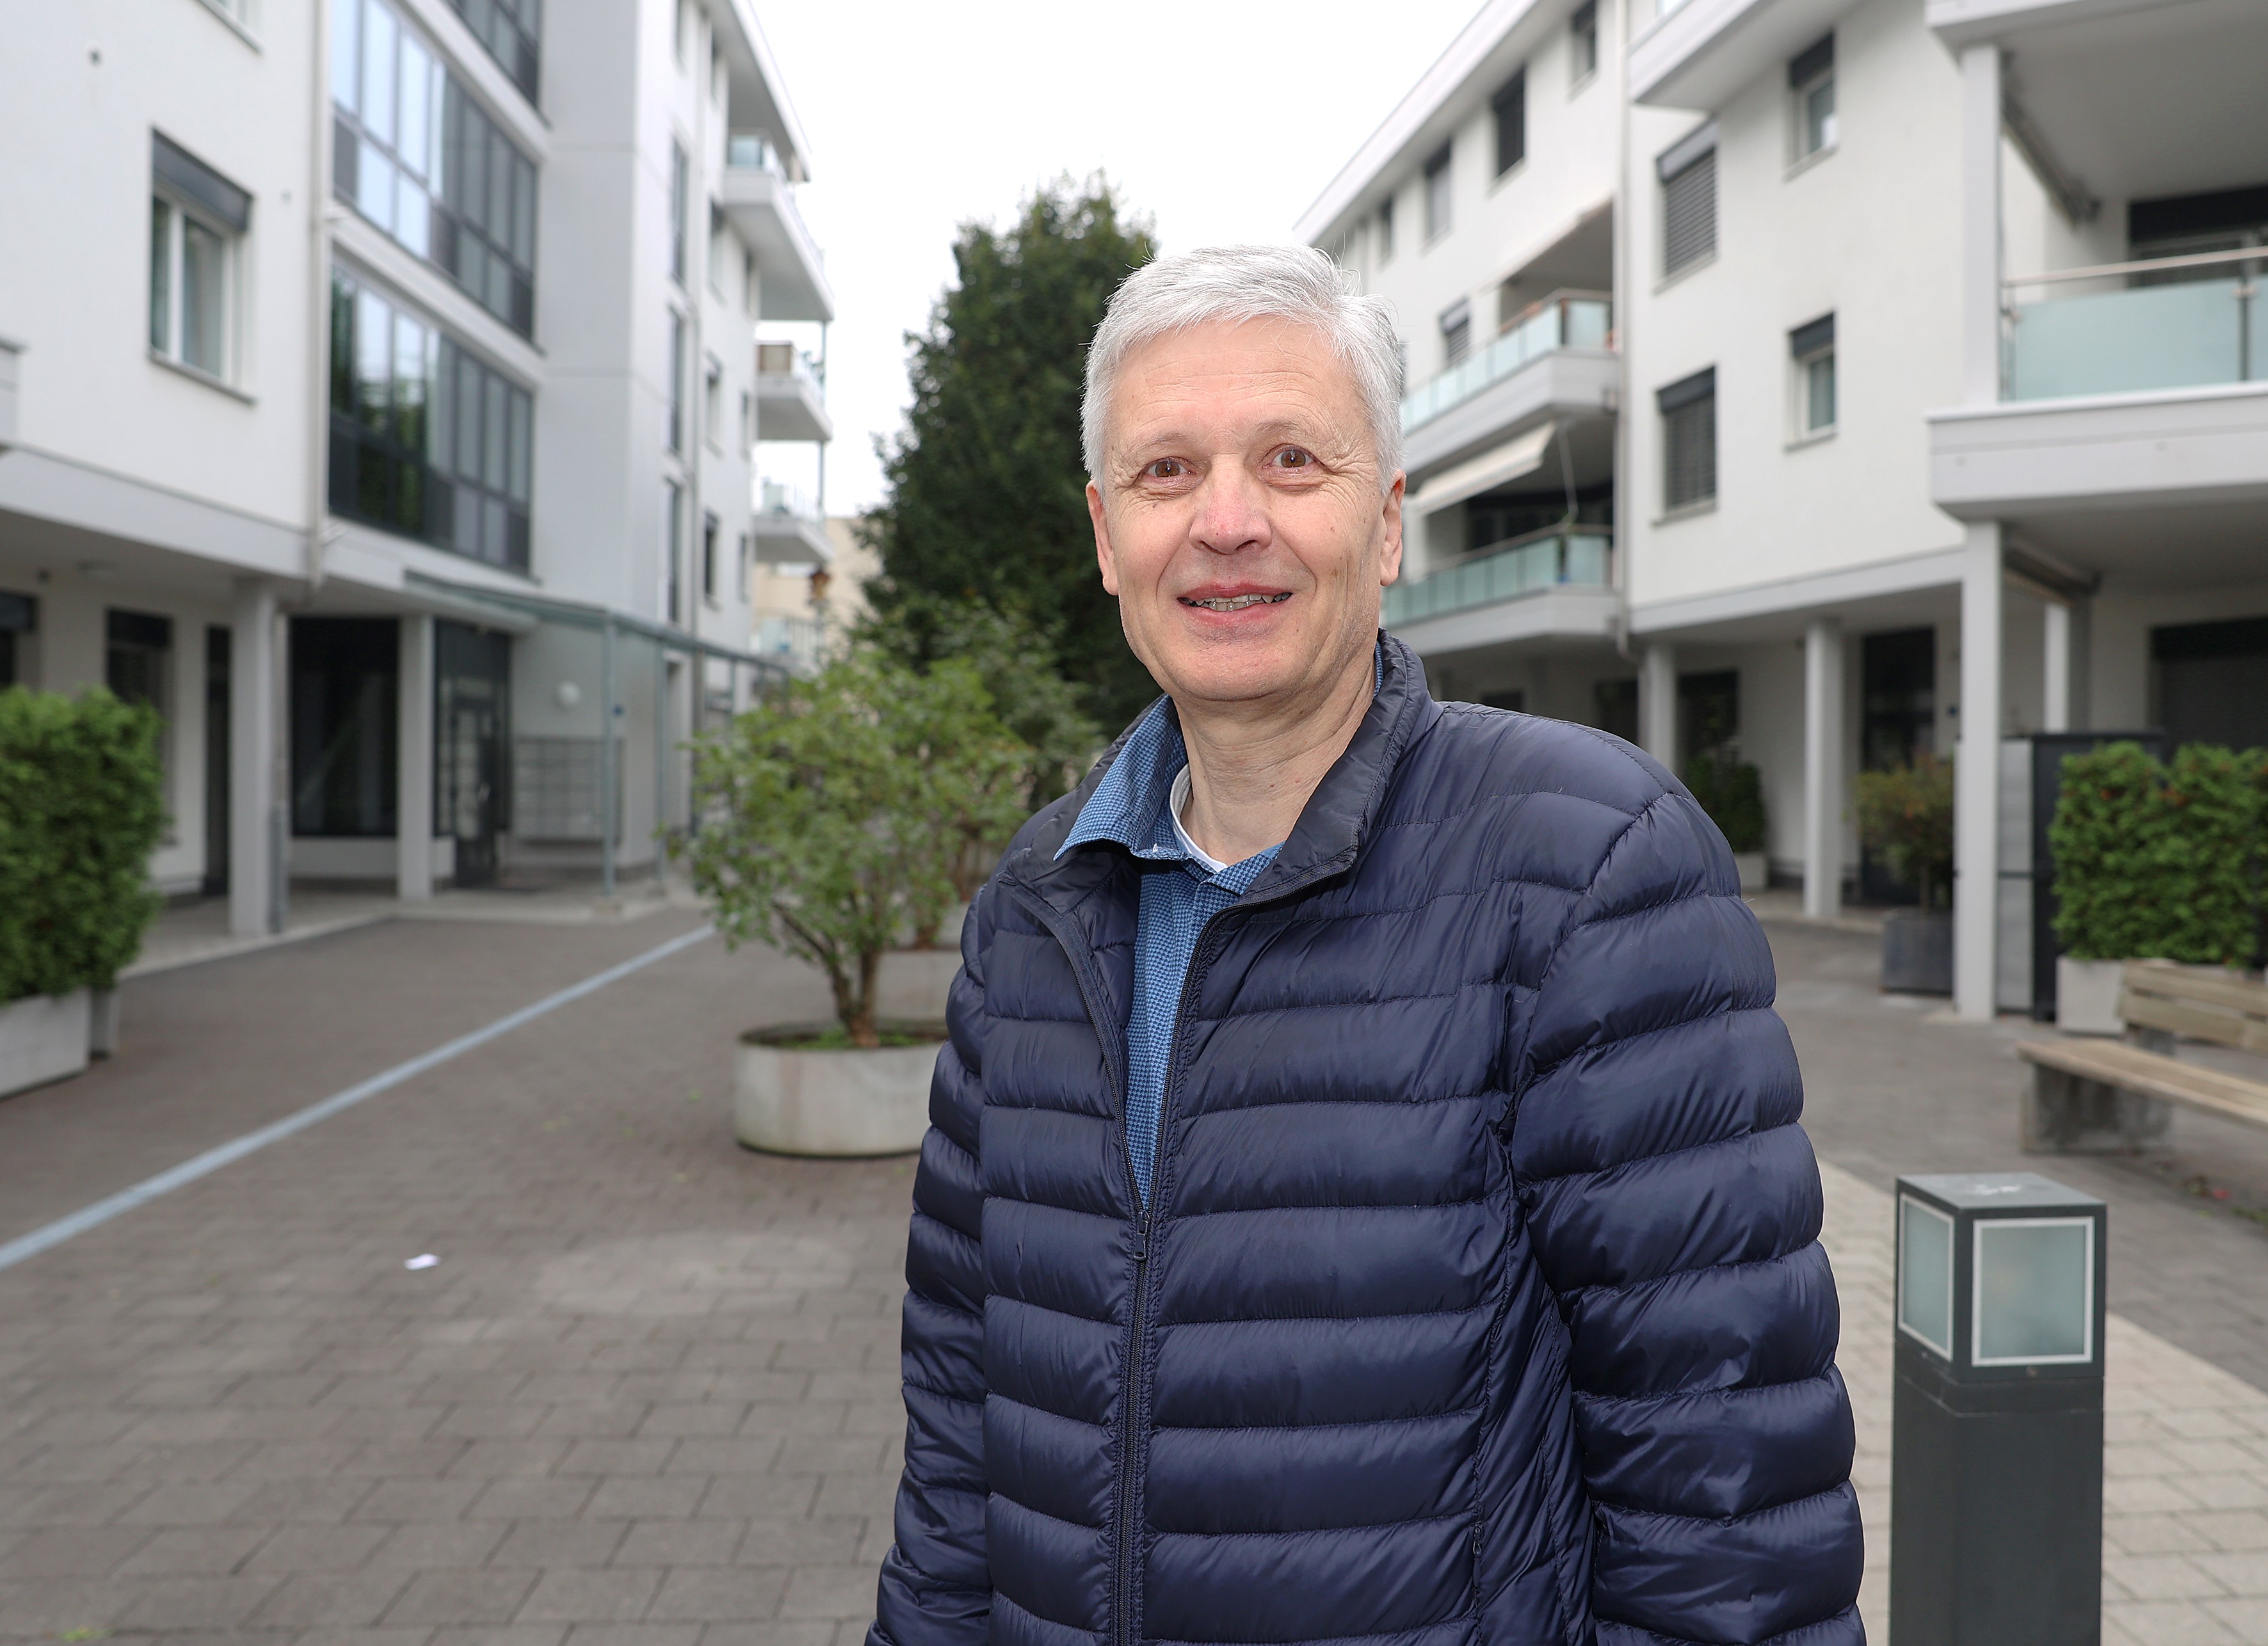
(1937, 408)
(380, 402)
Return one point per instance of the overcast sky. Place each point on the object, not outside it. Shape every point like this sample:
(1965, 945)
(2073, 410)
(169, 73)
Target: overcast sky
(1221, 120)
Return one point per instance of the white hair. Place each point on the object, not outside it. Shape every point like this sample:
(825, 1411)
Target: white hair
(1234, 284)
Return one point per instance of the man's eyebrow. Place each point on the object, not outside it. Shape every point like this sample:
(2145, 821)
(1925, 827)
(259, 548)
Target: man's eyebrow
(1273, 428)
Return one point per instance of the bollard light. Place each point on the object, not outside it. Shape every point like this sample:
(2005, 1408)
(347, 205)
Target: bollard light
(1996, 1452)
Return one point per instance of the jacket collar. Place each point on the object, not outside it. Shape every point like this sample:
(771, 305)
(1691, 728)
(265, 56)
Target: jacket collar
(1332, 827)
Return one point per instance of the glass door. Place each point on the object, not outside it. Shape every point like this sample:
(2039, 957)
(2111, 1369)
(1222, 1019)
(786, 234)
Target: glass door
(472, 705)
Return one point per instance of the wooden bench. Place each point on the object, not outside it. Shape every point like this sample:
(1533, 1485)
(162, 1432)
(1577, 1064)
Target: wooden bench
(2097, 1096)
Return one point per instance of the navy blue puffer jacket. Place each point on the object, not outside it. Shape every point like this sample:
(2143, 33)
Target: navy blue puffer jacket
(1480, 1302)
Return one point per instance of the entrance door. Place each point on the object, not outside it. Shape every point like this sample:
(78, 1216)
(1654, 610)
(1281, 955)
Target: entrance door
(472, 710)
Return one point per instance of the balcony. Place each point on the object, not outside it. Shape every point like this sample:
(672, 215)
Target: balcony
(1699, 53)
(791, 395)
(1556, 361)
(790, 530)
(2184, 333)
(792, 641)
(1554, 582)
(760, 203)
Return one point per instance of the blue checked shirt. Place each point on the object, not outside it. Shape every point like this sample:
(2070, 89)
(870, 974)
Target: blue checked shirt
(1138, 804)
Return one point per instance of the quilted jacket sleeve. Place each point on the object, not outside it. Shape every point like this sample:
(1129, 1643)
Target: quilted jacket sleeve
(1675, 1206)
(936, 1585)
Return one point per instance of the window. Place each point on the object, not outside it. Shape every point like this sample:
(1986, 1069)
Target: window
(345, 717)
(712, 405)
(1689, 441)
(416, 154)
(676, 381)
(678, 167)
(1811, 88)
(709, 558)
(1583, 41)
(137, 658)
(1509, 108)
(673, 529)
(748, 420)
(681, 35)
(746, 559)
(1456, 331)
(750, 291)
(1386, 230)
(19, 620)
(1438, 178)
(1812, 351)
(509, 29)
(719, 245)
(196, 218)
(1688, 171)
(426, 439)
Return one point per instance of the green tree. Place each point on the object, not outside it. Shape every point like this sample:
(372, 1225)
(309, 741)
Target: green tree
(1906, 814)
(836, 812)
(987, 505)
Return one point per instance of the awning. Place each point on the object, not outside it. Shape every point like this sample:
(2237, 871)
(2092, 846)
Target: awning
(1521, 455)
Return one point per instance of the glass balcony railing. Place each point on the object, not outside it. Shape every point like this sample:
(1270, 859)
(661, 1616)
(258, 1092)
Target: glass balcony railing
(2200, 328)
(753, 152)
(794, 641)
(780, 501)
(786, 360)
(1565, 319)
(1551, 559)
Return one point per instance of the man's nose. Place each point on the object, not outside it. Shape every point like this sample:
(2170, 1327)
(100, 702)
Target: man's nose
(1232, 511)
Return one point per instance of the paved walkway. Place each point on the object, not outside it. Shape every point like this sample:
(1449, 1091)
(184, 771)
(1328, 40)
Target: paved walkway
(647, 1395)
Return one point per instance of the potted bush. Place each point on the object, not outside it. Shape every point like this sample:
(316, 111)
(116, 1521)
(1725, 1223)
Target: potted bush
(2152, 862)
(832, 815)
(81, 810)
(1906, 814)
(1732, 792)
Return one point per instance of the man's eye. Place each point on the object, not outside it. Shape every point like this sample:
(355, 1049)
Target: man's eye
(1165, 469)
(1293, 457)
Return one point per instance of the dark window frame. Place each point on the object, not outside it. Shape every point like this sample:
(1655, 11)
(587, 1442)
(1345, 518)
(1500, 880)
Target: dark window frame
(1583, 43)
(1508, 119)
(512, 32)
(1440, 204)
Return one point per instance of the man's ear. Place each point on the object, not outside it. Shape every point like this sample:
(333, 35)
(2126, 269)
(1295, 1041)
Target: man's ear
(1389, 557)
(1103, 558)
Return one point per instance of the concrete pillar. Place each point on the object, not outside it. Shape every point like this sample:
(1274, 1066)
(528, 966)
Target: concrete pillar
(1657, 703)
(255, 837)
(2055, 648)
(1980, 223)
(1977, 777)
(413, 827)
(1822, 768)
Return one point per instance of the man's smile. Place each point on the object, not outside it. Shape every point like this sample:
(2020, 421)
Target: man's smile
(1233, 602)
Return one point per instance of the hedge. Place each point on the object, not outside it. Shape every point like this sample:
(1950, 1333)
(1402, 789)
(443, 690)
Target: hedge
(2162, 862)
(1732, 792)
(81, 810)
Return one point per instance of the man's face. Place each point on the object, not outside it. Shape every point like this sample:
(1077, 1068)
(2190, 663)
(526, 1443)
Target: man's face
(1239, 517)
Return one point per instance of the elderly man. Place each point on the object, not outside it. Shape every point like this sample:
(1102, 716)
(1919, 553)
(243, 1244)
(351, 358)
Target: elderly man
(1365, 1200)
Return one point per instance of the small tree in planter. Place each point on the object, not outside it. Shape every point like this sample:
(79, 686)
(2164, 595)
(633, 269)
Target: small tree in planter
(833, 813)
(1906, 814)
(1732, 792)
(81, 810)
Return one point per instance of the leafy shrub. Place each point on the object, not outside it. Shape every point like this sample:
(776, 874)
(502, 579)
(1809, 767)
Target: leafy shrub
(2159, 863)
(1732, 792)
(81, 809)
(1906, 814)
(835, 814)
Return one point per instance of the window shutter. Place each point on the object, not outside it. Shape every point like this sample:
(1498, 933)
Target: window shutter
(1689, 431)
(1809, 339)
(1689, 214)
(1812, 62)
(198, 183)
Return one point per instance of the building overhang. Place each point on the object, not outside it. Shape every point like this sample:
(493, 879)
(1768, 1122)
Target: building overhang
(791, 276)
(1568, 383)
(790, 406)
(1565, 612)
(758, 92)
(1780, 608)
(790, 539)
(1701, 54)
(2170, 448)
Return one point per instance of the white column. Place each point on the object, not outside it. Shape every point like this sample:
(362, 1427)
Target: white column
(1822, 768)
(1980, 223)
(2055, 648)
(253, 832)
(413, 788)
(1976, 776)
(1657, 703)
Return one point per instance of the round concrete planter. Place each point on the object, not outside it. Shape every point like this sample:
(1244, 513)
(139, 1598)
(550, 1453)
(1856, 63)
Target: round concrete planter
(912, 984)
(847, 1103)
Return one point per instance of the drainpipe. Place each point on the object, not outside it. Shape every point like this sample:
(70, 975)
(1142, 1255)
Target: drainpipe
(319, 295)
(610, 780)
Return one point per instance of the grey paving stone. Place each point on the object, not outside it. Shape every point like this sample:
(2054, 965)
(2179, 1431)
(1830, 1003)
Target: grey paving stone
(461, 1597)
(681, 1543)
(614, 1595)
(709, 1594)
(561, 1543)
(330, 1600)
(200, 1551)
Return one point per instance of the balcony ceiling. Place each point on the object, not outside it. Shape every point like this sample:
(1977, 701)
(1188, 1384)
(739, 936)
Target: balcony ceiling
(789, 407)
(792, 279)
(1704, 53)
(2150, 101)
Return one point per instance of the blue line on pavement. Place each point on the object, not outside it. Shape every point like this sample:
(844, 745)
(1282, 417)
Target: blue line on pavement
(212, 1160)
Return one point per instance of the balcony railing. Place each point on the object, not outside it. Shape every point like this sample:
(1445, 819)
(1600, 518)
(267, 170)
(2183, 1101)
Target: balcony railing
(1553, 558)
(753, 152)
(786, 360)
(794, 641)
(1565, 319)
(781, 501)
(2200, 328)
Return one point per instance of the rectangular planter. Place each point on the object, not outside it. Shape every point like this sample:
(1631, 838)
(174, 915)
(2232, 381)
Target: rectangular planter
(1756, 871)
(42, 1038)
(2087, 995)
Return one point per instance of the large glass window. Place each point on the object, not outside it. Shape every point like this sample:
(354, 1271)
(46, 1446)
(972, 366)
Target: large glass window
(512, 30)
(418, 156)
(426, 439)
(345, 713)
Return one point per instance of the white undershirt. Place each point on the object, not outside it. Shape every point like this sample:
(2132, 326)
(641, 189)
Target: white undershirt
(1175, 802)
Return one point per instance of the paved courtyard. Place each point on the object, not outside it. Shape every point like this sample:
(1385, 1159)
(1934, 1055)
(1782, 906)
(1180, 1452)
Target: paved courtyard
(647, 1395)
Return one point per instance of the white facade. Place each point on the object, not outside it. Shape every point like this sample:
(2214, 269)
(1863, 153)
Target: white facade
(1871, 489)
(377, 389)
